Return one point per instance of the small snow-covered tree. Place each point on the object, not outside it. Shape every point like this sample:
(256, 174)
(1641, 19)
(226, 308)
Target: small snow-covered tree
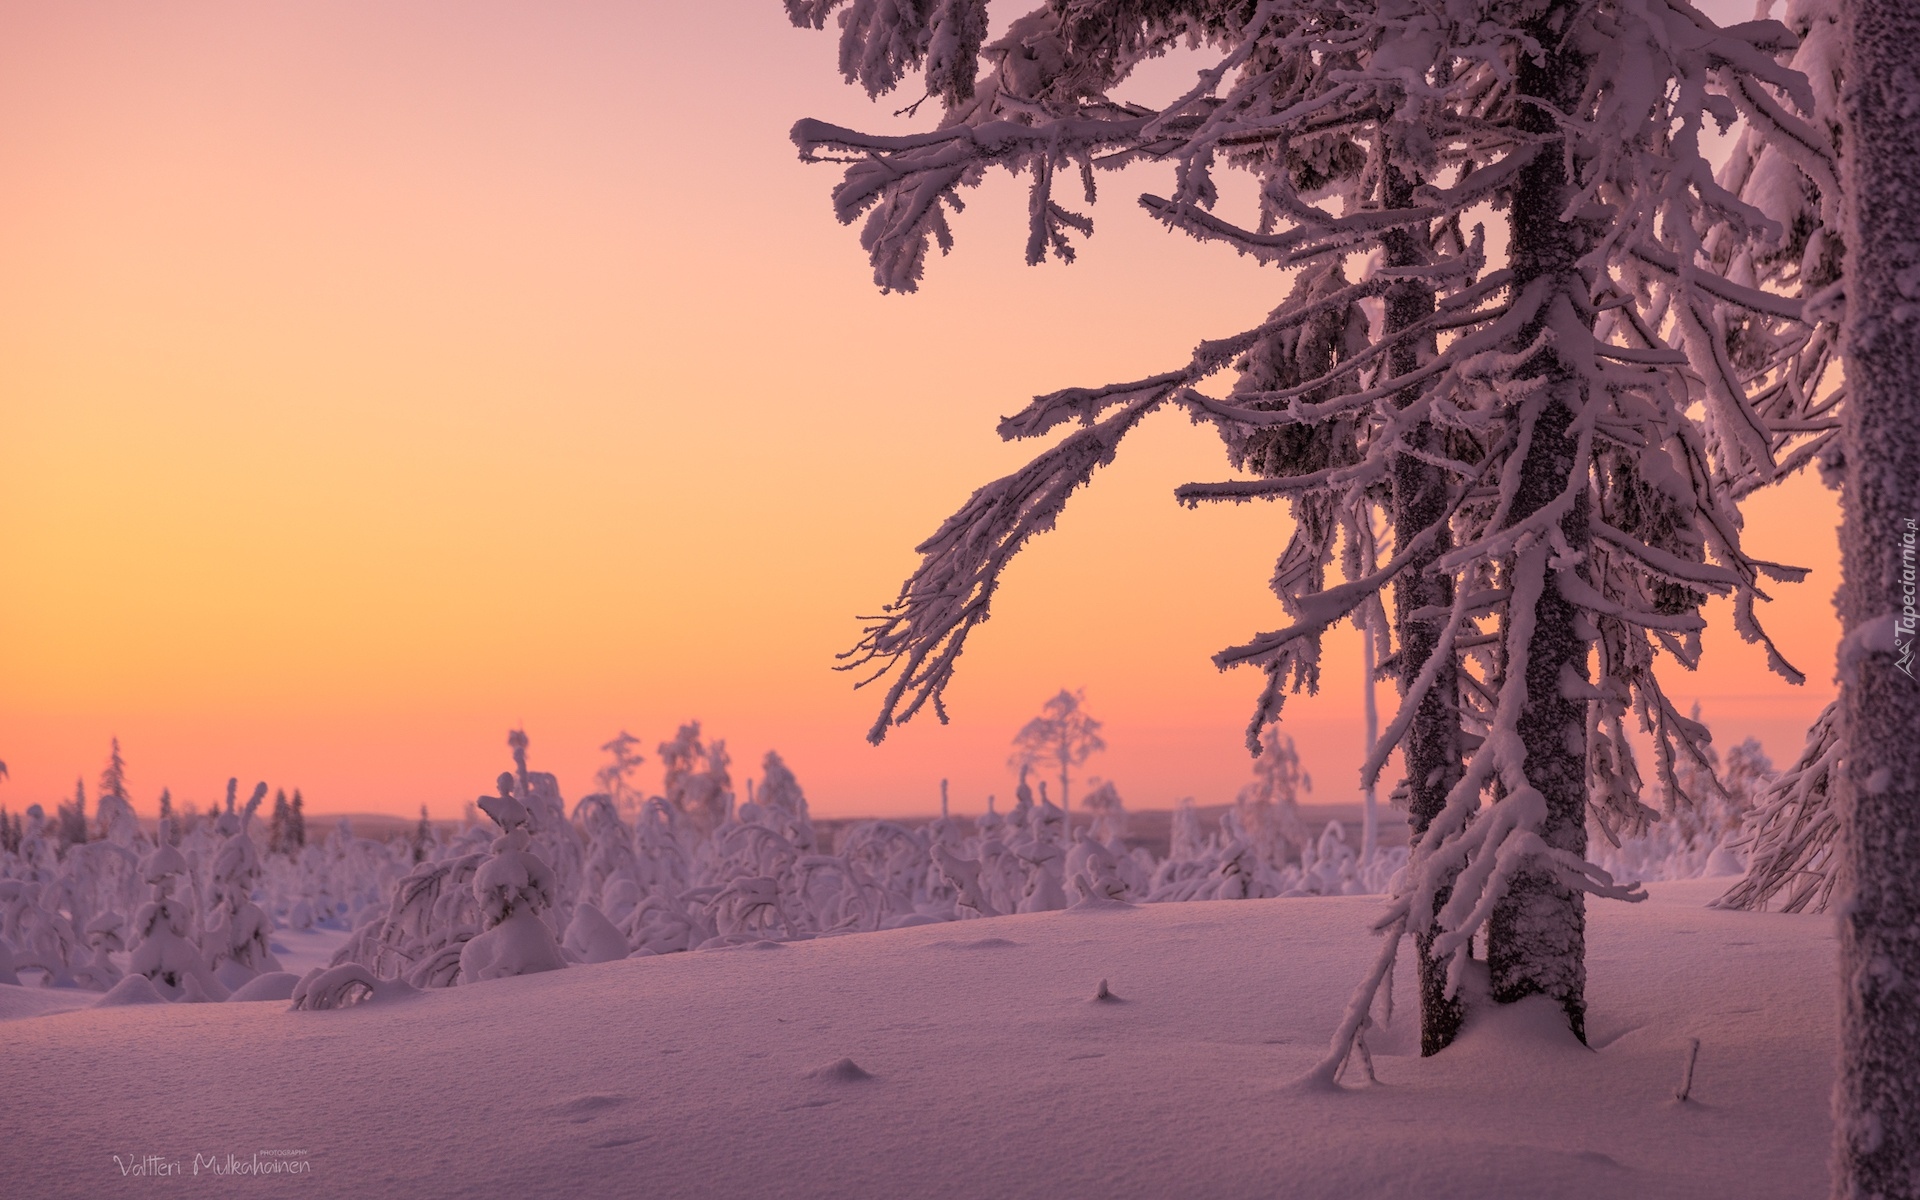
(422, 838)
(1270, 805)
(1062, 737)
(431, 915)
(105, 936)
(113, 777)
(784, 804)
(697, 784)
(1107, 810)
(616, 778)
(163, 949)
(42, 935)
(277, 824)
(73, 817)
(1706, 838)
(513, 888)
(238, 933)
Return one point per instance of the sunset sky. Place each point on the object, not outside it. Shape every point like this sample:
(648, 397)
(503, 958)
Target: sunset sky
(381, 376)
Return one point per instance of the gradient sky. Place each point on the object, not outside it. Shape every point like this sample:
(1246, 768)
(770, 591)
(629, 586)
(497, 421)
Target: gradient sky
(380, 376)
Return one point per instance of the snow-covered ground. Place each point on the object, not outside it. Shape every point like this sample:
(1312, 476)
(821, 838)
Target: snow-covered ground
(964, 1060)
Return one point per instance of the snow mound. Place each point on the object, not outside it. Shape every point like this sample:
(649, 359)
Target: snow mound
(1100, 904)
(582, 1109)
(987, 943)
(17, 1001)
(591, 938)
(274, 985)
(134, 989)
(843, 1071)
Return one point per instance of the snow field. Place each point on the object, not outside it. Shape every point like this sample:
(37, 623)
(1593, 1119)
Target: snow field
(972, 1060)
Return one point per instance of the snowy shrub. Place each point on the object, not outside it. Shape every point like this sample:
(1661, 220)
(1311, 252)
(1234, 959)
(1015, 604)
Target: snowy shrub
(105, 937)
(343, 986)
(429, 920)
(42, 936)
(591, 938)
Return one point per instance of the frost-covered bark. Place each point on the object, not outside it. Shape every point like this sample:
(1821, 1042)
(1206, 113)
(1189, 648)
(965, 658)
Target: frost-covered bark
(1536, 932)
(1422, 597)
(1877, 1094)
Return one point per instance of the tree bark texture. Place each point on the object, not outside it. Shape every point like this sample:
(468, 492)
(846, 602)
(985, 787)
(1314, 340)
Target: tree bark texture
(1431, 750)
(1877, 1090)
(1536, 935)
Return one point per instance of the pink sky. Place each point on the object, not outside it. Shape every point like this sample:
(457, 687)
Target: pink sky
(382, 376)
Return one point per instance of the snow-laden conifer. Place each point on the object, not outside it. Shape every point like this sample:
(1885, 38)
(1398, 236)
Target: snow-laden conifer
(513, 888)
(238, 933)
(1531, 429)
(163, 948)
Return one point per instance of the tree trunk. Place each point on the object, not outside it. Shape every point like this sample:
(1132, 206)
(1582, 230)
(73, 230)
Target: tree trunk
(1536, 934)
(1431, 750)
(1369, 801)
(1877, 1092)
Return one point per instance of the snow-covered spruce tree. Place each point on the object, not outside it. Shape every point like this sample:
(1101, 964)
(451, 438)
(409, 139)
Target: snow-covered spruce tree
(238, 934)
(513, 888)
(277, 823)
(1877, 1093)
(1574, 502)
(554, 838)
(163, 949)
(422, 839)
(297, 823)
(73, 817)
(113, 777)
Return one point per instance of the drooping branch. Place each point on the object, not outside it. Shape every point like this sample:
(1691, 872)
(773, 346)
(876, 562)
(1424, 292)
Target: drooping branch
(920, 636)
